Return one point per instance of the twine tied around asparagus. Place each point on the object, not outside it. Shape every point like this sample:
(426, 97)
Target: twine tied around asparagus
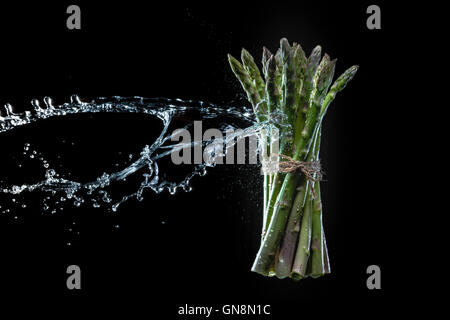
(311, 169)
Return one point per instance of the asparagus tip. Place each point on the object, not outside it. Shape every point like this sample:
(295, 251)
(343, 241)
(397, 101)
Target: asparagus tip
(245, 55)
(234, 63)
(317, 50)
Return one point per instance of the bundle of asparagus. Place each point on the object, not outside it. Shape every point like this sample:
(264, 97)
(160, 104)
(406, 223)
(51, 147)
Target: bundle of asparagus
(294, 96)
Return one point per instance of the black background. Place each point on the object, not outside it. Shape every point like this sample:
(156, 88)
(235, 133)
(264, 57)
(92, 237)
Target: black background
(203, 251)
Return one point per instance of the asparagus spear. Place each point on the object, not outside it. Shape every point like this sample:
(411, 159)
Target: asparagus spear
(317, 258)
(253, 71)
(249, 87)
(303, 249)
(317, 244)
(273, 104)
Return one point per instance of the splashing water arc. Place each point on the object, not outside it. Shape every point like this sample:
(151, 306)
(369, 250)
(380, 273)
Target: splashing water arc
(163, 109)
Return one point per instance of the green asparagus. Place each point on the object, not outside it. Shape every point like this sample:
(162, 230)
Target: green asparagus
(291, 95)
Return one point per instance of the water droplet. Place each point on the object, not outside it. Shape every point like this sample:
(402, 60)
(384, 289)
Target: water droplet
(75, 99)
(9, 110)
(35, 104)
(48, 102)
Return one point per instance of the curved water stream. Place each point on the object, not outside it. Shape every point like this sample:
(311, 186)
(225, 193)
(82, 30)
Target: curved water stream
(146, 163)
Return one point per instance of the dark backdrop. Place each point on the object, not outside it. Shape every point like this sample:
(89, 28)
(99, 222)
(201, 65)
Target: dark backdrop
(197, 247)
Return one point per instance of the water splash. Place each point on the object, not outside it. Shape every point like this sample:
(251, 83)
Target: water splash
(66, 190)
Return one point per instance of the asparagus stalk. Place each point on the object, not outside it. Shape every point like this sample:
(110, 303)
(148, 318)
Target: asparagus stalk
(283, 263)
(303, 249)
(317, 258)
(317, 244)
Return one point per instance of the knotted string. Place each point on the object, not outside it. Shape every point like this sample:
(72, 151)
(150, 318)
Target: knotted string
(311, 169)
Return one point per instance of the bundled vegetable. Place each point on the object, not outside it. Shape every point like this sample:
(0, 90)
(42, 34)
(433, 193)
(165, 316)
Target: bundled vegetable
(294, 97)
